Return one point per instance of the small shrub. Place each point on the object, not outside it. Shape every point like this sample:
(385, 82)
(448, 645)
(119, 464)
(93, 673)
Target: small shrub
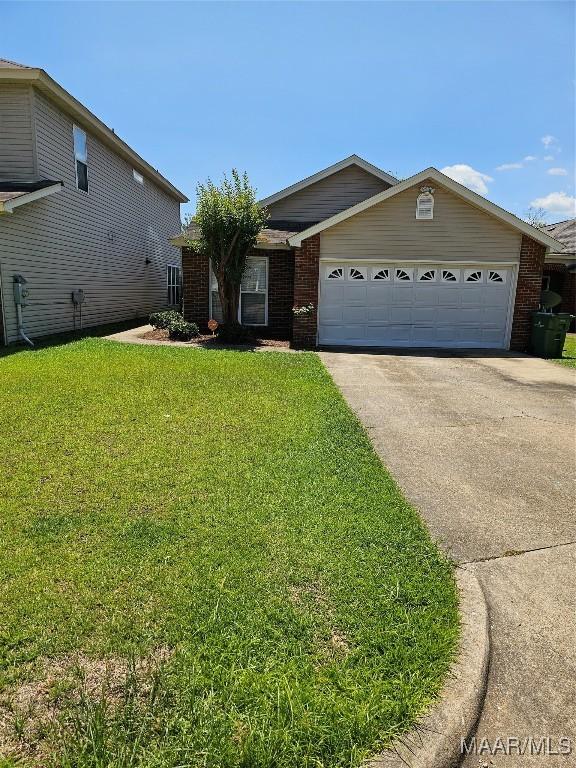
(173, 322)
(163, 320)
(182, 330)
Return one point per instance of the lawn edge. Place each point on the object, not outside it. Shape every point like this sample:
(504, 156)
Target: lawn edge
(436, 739)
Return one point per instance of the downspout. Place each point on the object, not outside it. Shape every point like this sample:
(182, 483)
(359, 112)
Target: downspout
(20, 294)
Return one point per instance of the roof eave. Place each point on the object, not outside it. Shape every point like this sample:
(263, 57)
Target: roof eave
(431, 173)
(40, 79)
(8, 206)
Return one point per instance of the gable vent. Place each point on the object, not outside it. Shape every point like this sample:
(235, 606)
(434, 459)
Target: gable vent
(425, 203)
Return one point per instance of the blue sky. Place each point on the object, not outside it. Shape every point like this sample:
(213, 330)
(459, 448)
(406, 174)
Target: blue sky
(284, 89)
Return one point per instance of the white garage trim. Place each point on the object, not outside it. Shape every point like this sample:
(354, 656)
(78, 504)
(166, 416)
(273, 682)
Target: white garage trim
(461, 313)
(458, 189)
(483, 263)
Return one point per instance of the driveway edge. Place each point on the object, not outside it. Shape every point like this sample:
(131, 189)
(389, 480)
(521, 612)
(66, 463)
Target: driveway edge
(435, 742)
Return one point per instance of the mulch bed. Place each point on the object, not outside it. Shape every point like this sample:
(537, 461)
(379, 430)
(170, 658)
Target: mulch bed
(207, 340)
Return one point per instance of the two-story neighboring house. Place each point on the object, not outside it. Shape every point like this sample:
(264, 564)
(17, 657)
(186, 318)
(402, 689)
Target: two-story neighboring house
(80, 211)
(352, 256)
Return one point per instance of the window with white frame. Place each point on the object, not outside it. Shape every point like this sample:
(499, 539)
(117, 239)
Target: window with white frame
(81, 158)
(138, 178)
(174, 284)
(425, 203)
(253, 305)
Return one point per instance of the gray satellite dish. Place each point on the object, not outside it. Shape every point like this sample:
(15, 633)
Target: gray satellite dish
(550, 299)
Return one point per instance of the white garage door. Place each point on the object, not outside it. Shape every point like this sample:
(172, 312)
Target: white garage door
(407, 305)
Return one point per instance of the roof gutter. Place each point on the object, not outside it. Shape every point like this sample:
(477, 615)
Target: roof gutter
(41, 80)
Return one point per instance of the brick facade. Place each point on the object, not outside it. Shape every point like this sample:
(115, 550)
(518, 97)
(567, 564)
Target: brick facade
(306, 274)
(196, 286)
(563, 283)
(280, 293)
(528, 291)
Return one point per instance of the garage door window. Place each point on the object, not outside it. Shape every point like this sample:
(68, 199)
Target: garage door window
(336, 274)
(356, 274)
(380, 274)
(403, 275)
(473, 275)
(495, 277)
(426, 275)
(450, 275)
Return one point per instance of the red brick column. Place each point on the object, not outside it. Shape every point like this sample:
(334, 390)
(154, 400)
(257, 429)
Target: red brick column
(528, 291)
(195, 287)
(306, 272)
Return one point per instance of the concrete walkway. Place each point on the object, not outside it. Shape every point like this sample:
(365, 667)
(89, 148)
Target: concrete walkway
(484, 445)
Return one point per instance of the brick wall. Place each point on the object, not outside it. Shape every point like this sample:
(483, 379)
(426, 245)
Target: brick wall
(528, 291)
(195, 291)
(564, 283)
(280, 293)
(306, 271)
(195, 284)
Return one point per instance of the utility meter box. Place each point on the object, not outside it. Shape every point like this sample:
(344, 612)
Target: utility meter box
(20, 290)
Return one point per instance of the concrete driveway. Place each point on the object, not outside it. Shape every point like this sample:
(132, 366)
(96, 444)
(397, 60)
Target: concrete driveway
(484, 445)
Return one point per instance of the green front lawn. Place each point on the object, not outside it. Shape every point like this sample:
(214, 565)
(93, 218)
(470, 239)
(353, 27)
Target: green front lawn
(220, 520)
(569, 353)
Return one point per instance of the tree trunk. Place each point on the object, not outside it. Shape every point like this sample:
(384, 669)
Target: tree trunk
(229, 300)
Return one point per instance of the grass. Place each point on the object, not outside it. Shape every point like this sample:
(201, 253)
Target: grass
(207, 566)
(569, 353)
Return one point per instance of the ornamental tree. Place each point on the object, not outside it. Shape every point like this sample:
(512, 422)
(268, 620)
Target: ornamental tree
(227, 223)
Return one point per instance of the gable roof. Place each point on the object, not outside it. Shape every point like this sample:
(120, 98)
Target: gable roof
(18, 73)
(564, 232)
(348, 161)
(431, 173)
(6, 63)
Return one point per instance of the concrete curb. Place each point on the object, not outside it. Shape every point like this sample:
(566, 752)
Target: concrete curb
(435, 742)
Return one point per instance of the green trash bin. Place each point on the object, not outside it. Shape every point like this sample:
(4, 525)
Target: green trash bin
(549, 333)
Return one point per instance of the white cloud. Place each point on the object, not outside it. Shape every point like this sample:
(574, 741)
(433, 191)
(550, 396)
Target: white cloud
(468, 176)
(548, 140)
(556, 202)
(519, 164)
(557, 171)
(548, 158)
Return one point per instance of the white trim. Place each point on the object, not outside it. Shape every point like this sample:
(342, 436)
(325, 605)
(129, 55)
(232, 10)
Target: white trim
(172, 285)
(348, 161)
(437, 260)
(252, 325)
(511, 305)
(65, 101)
(9, 205)
(430, 173)
(76, 160)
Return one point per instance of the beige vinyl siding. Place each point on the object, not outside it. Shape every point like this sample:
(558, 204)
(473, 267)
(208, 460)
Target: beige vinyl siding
(329, 196)
(98, 241)
(389, 230)
(17, 159)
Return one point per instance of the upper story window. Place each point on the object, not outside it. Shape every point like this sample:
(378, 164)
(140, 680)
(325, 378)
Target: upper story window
(425, 203)
(81, 158)
(137, 176)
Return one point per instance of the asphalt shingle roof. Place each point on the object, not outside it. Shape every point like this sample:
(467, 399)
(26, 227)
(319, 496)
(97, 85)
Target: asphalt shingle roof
(565, 232)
